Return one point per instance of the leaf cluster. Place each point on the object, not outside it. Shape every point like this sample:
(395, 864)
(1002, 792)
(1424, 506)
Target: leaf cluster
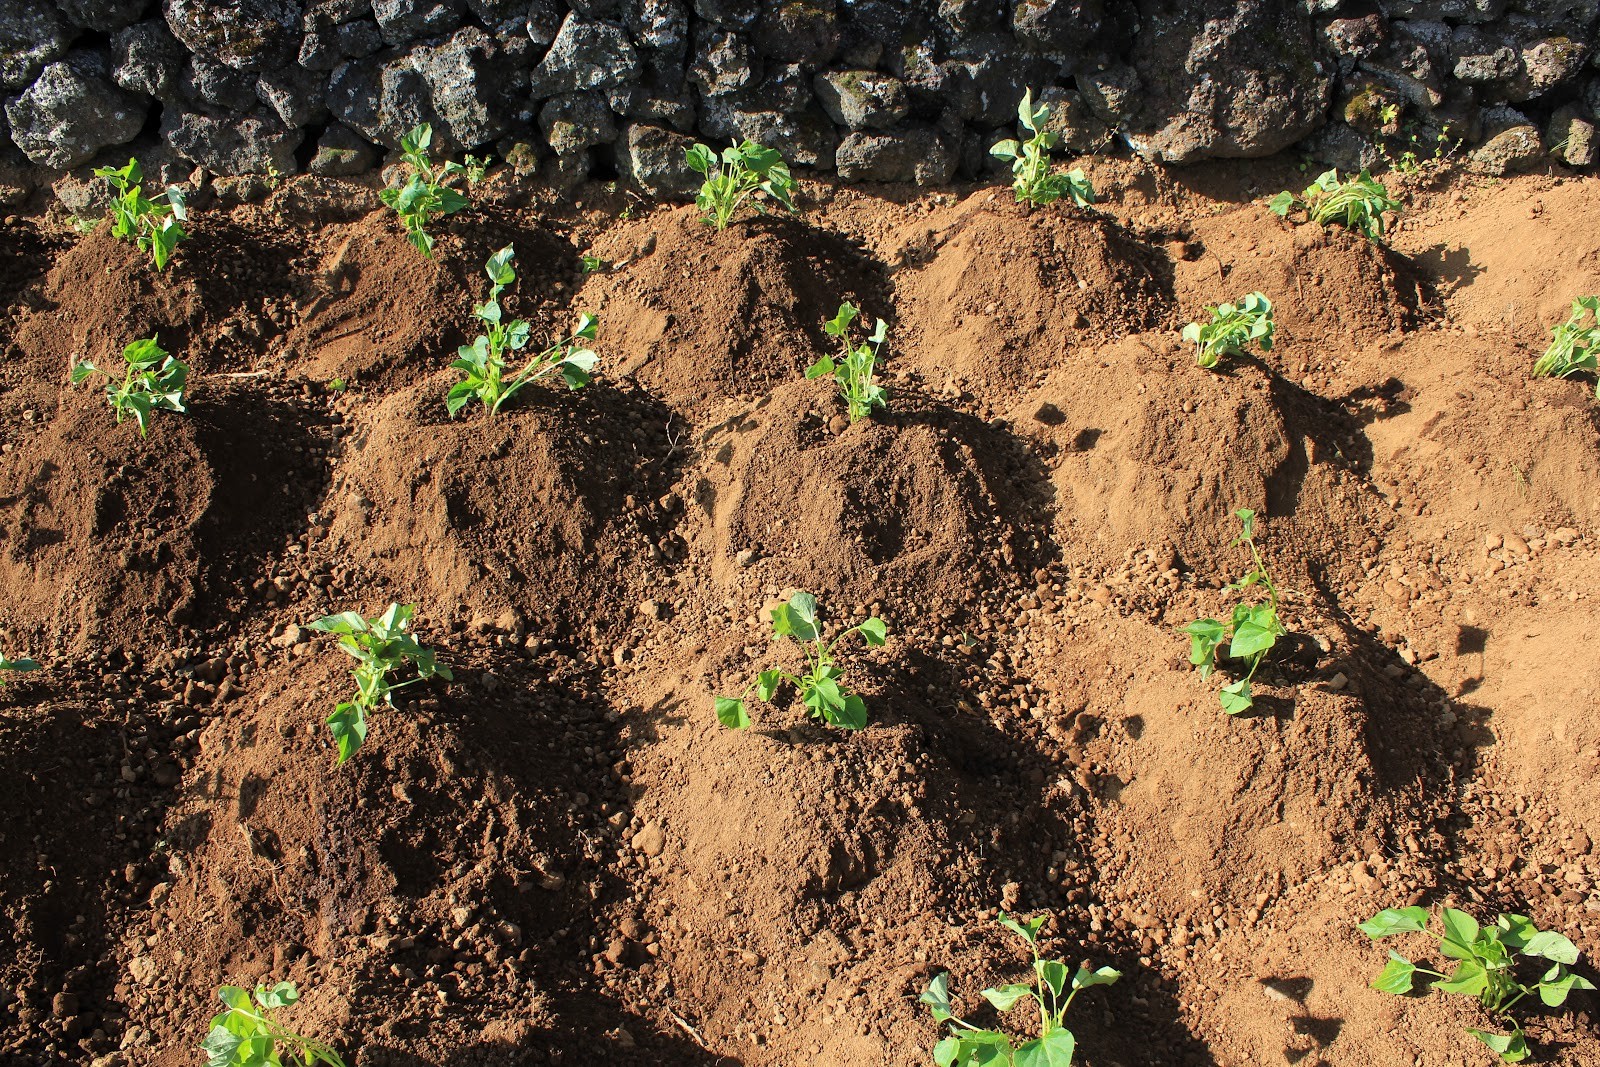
(483, 362)
(1574, 346)
(1486, 965)
(739, 173)
(154, 226)
(154, 381)
(380, 646)
(821, 687)
(1250, 632)
(18, 665)
(1053, 988)
(1357, 204)
(853, 370)
(1231, 329)
(1033, 179)
(246, 1035)
(424, 194)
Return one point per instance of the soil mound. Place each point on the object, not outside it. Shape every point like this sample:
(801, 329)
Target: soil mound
(703, 316)
(993, 298)
(545, 509)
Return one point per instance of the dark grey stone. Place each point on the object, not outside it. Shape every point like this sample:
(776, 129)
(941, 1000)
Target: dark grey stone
(455, 85)
(969, 16)
(784, 87)
(574, 122)
(65, 117)
(723, 62)
(729, 14)
(1353, 39)
(920, 154)
(863, 99)
(32, 34)
(231, 143)
(1571, 136)
(1455, 10)
(206, 81)
(543, 21)
(359, 39)
(1547, 64)
(342, 151)
(806, 140)
(403, 21)
(244, 34)
(103, 16)
(300, 97)
(652, 159)
(147, 59)
(1513, 145)
(1071, 119)
(661, 25)
(319, 49)
(1057, 25)
(637, 102)
(791, 32)
(585, 55)
(594, 9)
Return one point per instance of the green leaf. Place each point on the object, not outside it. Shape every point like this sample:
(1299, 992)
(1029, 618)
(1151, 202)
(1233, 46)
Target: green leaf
(1469, 978)
(1054, 1049)
(280, 995)
(1552, 946)
(1391, 921)
(1397, 976)
(1027, 929)
(1007, 149)
(1236, 697)
(1052, 975)
(851, 715)
(767, 683)
(1255, 631)
(1558, 982)
(1460, 931)
(937, 997)
(797, 618)
(348, 724)
(731, 713)
(875, 631)
(1281, 203)
(983, 1048)
(823, 367)
(1084, 978)
(945, 1052)
(1513, 1048)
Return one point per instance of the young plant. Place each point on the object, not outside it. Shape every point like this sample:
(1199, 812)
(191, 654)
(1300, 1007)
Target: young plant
(1231, 329)
(380, 646)
(483, 362)
(853, 370)
(1574, 346)
(1486, 966)
(247, 1035)
(1250, 631)
(1358, 204)
(154, 381)
(821, 688)
(424, 195)
(742, 171)
(1033, 179)
(1051, 990)
(155, 226)
(18, 665)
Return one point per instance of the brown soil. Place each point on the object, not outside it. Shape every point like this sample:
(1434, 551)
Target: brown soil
(560, 857)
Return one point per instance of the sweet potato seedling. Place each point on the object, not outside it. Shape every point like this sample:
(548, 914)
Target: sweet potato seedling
(821, 687)
(18, 665)
(424, 195)
(1231, 329)
(247, 1035)
(1574, 345)
(483, 362)
(1249, 633)
(380, 646)
(1486, 958)
(154, 226)
(1052, 990)
(1357, 204)
(1033, 179)
(853, 370)
(742, 171)
(154, 381)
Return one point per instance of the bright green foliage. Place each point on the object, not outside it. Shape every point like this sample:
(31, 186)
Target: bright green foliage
(483, 362)
(1358, 204)
(821, 688)
(475, 168)
(595, 265)
(380, 647)
(1053, 988)
(154, 382)
(155, 226)
(853, 370)
(738, 174)
(424, 195)
(1486, 966)
(1033, 179)
(18, 665)
(246, 1035)
(1231, 329)
(1250, 631)
(1574, 346)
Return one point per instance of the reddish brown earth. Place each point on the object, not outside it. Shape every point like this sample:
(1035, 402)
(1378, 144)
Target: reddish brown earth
(561, 857)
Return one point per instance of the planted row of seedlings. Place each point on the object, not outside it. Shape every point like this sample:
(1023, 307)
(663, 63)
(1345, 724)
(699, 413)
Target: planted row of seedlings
(1487, 959)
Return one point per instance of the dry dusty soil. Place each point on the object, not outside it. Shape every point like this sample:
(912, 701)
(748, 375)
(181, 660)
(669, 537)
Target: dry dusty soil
(562, 858)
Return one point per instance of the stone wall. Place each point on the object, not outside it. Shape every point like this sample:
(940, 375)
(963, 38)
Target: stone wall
(877, 90)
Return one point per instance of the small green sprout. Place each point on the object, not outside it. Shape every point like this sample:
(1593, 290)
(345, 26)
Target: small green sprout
(1486, 961)
(337, 385)
(737, 175)
(380, 647)
(1033, 179)
(246, 1035)
(483, 361)
(1231, 329)
(1358, 204)
(1574, 346)
(154, 382)
(1053, 989)
(1250, 632)
(424, 195)
(154, 226)
(853, 370)
(475, 168)
(595, 265)
(18, 665)
(821, 688)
